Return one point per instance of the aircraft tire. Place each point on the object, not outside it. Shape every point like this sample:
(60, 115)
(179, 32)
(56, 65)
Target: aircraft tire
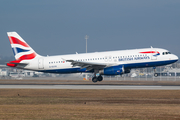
(155, 74)
(94, 79)
(100, 78)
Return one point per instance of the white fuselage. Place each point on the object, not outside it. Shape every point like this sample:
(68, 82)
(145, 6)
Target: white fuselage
(135, 58)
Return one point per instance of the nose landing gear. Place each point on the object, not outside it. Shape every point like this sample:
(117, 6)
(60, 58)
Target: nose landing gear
(155, 74)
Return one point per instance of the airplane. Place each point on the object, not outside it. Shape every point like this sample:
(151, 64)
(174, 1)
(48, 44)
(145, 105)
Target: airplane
(99, 63)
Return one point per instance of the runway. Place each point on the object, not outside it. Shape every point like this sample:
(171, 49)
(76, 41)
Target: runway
(105, 87)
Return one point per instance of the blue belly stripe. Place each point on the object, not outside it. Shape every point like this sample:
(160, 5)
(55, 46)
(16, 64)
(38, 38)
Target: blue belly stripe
(126, 66)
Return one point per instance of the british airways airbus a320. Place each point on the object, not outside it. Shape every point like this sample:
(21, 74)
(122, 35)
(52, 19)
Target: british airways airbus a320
(100, 63)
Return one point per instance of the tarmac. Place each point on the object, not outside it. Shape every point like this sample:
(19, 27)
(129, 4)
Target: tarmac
(105, 87)
(80, 84)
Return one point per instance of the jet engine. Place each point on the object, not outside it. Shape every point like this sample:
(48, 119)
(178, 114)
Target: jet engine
(113, 70)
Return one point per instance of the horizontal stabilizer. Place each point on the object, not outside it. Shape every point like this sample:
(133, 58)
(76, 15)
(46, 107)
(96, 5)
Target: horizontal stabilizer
(15, 63)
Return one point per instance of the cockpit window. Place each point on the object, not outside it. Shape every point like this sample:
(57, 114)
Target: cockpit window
(166, 53)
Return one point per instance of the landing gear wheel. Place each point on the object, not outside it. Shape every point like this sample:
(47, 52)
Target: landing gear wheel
(100, 78)
(155, 74)
(94, 79)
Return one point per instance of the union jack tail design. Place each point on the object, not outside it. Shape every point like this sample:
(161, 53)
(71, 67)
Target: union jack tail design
(21, 50)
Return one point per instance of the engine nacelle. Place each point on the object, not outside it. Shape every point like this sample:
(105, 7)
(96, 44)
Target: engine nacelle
(113, 70)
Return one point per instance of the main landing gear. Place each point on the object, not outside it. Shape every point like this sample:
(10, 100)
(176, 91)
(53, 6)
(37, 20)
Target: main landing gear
(95, 78)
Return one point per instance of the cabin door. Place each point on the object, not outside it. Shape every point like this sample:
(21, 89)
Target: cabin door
(41, 63)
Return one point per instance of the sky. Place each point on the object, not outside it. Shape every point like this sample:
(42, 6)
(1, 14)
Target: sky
(58, 27)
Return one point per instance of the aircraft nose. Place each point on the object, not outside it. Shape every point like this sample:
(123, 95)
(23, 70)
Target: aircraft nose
(175, 57)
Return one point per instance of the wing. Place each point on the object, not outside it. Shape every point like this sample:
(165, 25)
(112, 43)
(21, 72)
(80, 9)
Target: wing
(88, 65)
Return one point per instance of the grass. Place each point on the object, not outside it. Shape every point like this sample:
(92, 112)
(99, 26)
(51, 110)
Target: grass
(37, 104)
